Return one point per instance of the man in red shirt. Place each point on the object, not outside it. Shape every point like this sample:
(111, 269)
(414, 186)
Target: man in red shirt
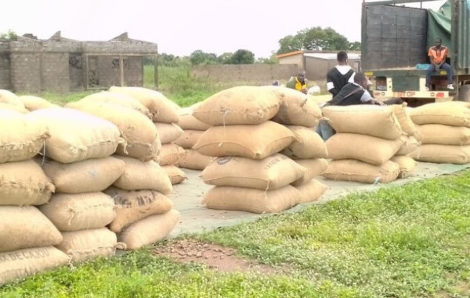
(437, 55)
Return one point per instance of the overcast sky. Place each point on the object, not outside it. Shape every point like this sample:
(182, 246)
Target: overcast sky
(180, 27)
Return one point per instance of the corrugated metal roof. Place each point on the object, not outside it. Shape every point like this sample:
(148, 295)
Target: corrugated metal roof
(332, 56)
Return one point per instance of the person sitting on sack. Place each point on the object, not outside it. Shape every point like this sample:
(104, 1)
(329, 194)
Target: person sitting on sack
(298, 82)
(355, 93)
(438, 54)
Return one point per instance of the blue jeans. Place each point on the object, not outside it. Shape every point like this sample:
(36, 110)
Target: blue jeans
(325, 130)
(432, 68)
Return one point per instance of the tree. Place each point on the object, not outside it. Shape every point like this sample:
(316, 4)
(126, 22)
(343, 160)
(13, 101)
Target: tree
(315, 38)
(10, 35)
(354, 46)
(243, 57)
(199, 57)
(225, 58)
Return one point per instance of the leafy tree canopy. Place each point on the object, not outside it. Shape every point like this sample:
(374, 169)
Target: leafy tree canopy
(316, 38)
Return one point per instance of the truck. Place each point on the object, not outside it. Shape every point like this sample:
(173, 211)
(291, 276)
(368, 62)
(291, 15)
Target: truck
(394, 45)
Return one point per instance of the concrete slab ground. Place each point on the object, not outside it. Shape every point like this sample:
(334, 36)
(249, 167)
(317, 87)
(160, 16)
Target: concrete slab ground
(196, 218)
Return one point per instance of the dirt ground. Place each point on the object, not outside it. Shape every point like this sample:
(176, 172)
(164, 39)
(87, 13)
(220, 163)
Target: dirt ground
(195, 218)
(215, 257)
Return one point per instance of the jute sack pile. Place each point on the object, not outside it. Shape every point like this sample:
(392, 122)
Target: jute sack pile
(295, 108)
(10, 98)
(193, 129)
(139, 132)
(22, 137)
(76, 136)
(250, 175)
(308, 150)
(33, 103)
(142, 217)
(367, 137)
(242, 105)
(138, 194)
(26, 235)
(162, 109)
(444, 129)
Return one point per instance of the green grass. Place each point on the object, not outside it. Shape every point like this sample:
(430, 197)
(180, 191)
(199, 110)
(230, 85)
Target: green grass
(403, 241)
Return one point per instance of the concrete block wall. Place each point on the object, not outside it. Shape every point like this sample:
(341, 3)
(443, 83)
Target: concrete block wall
(133, 73)
(55, 72)
(25, 71)
(263, 74)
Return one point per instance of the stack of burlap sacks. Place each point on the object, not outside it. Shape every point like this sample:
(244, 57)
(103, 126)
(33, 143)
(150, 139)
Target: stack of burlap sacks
(81, 168)
(193, 129)
(250, 173)
(27, 237)
(77, 149)
(367, 138)
(444, 129)
(144, 213)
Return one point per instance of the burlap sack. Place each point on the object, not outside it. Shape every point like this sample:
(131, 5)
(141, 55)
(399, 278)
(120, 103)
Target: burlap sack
(354, 170)
(25, 227)
(176, 175)
(296, 108)
(239, 106)
(25, 262)
(74, 212)
(406, 164)
(371, 120)
(313, 168)
(20, 137)
(307, 145)
(442, 154)
(143, 175)
(88, 244)
(252, 200)
(189, 138)
(311, 191)
(139, 131)
(273, 172)
(403, 117)
(189, 122)
(10, 98)
(149, 230)
(194, 160)
(91, 175)
(24, 183)
(365, 148)
(409, 145)
(444, 134)
(15, 108)
(76, 136)
(446, 113)
(170, 154)
(132, 206)
(119, 99)
(162, 109)
(168, 132)
(251, 141)
(33, 103)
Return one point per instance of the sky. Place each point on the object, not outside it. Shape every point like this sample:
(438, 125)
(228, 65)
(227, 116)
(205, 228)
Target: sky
(181, 27)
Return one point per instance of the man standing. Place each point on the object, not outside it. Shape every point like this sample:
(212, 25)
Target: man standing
(298, 82)
(339, 75)
(437, 55)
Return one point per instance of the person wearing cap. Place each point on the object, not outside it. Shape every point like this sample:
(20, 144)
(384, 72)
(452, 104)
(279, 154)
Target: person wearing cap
(339, 75)
(437, 55)
(298, 82)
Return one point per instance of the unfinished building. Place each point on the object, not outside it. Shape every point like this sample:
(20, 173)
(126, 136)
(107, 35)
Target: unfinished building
(60, 64)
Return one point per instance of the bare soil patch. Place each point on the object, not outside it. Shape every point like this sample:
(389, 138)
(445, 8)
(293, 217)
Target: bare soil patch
(214, 256)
